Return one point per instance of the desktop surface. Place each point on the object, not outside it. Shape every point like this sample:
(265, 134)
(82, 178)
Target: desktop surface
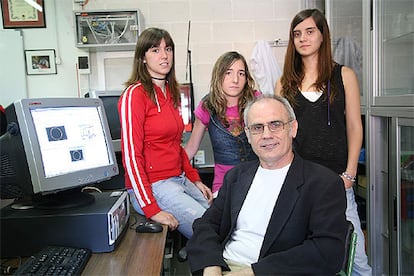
(136, 254)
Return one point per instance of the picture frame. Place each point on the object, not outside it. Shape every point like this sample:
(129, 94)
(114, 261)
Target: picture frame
(40, 62)
(19, 14)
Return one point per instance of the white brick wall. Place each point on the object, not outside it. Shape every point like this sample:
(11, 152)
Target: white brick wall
(217, 26)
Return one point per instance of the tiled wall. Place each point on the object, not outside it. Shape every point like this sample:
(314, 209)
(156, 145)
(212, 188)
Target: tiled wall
(217, 26)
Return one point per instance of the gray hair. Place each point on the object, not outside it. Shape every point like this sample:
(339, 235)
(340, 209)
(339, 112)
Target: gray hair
(282, 100)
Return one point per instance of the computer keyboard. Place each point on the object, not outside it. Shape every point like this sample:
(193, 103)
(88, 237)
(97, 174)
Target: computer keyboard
(56, 260)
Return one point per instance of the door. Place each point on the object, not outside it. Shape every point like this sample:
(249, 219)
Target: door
(13, 69)
(345, 20)
(394, 37)
(403, 255)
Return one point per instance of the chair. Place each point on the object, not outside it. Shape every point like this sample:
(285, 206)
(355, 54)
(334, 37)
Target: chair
(350, 245)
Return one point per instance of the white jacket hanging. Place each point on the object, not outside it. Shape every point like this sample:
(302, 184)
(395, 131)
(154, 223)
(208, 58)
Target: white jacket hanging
(264, 67)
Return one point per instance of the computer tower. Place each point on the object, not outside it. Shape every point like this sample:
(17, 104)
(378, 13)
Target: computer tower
(98, 226)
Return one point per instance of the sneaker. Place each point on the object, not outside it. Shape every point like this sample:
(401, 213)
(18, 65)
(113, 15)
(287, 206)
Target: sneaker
(182, 254)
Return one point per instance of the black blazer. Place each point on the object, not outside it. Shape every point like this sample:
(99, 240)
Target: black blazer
(306, 232)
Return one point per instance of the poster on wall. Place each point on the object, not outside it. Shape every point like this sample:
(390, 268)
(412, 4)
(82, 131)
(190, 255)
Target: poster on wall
(40, 62)
(23, 14)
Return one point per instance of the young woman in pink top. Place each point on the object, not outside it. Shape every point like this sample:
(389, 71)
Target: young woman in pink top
(220, 111)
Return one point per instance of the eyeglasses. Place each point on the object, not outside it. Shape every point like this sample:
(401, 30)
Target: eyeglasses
(274, 126)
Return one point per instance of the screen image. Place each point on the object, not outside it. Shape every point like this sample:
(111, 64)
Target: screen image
(68, 142)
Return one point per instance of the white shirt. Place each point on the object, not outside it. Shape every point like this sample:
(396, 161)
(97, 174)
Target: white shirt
(312, 96)
(246, 241)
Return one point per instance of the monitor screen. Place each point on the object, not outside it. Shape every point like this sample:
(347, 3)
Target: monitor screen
(110, 101)
(54, 145)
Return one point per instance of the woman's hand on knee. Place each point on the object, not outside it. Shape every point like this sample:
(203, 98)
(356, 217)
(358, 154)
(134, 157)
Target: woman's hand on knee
(205, 190)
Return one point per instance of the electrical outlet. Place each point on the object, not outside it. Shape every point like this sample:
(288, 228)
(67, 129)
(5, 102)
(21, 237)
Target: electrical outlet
(200, 158)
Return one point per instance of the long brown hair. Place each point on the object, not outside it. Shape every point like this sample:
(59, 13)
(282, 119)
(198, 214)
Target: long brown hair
(149, 38)
(216, 101)
(293, 72)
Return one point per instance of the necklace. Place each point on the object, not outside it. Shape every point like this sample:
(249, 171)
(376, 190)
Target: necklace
(158, 78)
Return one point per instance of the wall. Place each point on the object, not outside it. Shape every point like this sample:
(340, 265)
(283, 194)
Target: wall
(216, 26)
(57, 35)
(12, 71)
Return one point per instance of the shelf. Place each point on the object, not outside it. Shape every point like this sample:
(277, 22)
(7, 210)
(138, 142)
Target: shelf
(401, 38)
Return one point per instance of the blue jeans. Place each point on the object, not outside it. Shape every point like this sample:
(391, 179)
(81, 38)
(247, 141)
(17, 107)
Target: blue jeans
(361, 266)
(180, 197)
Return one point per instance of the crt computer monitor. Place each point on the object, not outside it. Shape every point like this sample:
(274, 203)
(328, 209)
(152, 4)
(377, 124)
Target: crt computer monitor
(53, 148)
(110, 101)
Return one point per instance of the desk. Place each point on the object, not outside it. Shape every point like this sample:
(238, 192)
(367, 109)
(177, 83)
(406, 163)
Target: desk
(136, 254)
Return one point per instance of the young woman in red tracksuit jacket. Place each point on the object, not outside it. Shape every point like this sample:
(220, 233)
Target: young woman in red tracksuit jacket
(159, 178)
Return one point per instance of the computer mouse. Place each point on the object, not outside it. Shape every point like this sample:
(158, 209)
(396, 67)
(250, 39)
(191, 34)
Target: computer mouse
(149, 227)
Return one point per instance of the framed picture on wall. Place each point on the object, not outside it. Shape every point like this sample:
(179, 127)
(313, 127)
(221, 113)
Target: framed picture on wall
(40, 62)
(23, 14)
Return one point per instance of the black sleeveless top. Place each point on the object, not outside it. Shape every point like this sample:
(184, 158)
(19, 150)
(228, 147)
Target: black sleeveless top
(321, 135)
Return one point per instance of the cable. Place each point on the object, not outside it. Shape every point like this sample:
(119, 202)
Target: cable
(6, 269)
(124, 30)
(91, 188)
(132, 223)
(92, 31)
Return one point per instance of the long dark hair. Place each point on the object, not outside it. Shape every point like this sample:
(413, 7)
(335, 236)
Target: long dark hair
(293, 72)
(149, 38)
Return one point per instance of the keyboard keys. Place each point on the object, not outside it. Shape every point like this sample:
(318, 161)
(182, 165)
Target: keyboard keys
(56, 260)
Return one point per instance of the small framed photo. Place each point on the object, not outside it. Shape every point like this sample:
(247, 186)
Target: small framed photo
(23, 14)
(40, 62)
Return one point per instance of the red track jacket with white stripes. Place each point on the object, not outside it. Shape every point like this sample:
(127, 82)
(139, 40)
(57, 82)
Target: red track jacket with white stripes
(151, 143)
